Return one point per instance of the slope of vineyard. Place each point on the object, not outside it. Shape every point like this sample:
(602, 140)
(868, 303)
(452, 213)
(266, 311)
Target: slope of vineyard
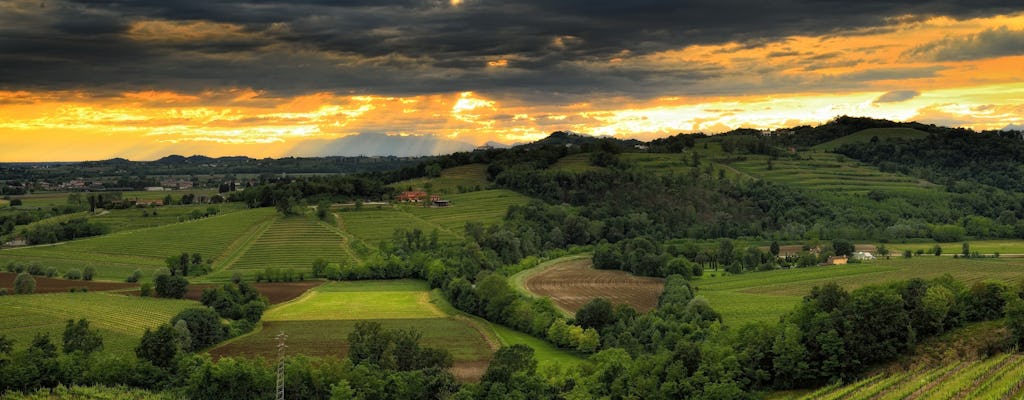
(290, 242)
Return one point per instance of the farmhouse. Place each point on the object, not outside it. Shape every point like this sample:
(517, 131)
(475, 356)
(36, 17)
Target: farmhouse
(151, 203)
(442, 203)
(415, 197)
(837, 260)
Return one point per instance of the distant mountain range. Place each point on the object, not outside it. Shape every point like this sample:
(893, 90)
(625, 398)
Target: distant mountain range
(377, 144)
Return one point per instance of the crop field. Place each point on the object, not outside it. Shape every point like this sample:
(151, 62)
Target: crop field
(375, 225)
(572, 283)
(319, 322)
(1003, 247)
(46, 200)
(487, 207)
(289, 242)
(829, 172)
(116, 255)
(765, 296)
(55, 285)
(467, 177)
(132, 218)
(998, 377)
(865, 136)
(121, 319)
(661, 163)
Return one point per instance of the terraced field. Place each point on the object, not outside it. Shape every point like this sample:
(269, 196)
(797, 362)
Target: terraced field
(288, 242)
(116, 255)
(121, 319)
(46, 200)
(828, 172)
(765, 296)
(375, 226)
(574, 163)
(998, 377)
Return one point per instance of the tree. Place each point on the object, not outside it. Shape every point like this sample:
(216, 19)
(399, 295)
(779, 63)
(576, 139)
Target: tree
(171, 286)
(159, 347)
(78, 337)
(774, 248)
(508, 361)
(966, 249)
(842, 247)
(24, 283)
(1015, 319)
(203, 324)
(597, 313)
(937, 250)
(89, 272)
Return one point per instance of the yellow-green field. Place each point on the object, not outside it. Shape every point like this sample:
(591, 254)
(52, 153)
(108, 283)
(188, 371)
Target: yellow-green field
(285, 243)
(463, 178)
(765, 296)
(865, 136)
(46, 200)
(120, 319)
(116, 255)
(487, 206)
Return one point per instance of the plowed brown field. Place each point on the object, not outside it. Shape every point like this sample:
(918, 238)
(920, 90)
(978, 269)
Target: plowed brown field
(573, 283)
(55, 285)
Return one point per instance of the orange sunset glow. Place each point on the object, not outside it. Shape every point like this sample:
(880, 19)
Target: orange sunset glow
(148, 82)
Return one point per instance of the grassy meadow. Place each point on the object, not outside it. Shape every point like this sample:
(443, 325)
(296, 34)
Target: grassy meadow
(120, 319)
(47, 200)
(765, 296)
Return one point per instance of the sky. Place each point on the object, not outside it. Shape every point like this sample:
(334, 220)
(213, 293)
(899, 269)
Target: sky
(141, 79)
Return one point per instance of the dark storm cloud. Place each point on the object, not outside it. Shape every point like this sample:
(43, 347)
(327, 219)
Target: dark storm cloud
(989, 43)
(409, 47)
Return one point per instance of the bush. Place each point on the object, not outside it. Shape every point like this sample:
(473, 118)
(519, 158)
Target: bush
(88, 274)
(24, 283)
(51, 272)
(3, 291)
(146, 289)
(35, 269)
(204, 325)
(134, 277)
(74, 274)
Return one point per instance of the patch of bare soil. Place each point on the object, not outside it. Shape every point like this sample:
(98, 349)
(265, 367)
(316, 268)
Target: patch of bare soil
(572, 284)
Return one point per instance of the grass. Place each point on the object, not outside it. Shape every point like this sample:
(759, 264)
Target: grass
(452, 180)
(121, 319)
(132, 218)
(318, 323)
(865, 136)
(828, 172)
(116, 255)
(765, 296)
(574, 163)
(547, 354)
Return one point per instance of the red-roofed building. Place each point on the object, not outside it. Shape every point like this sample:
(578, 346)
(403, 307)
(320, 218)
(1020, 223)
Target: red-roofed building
(415, 197)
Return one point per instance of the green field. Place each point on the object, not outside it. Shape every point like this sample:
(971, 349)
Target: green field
(46, 200)
(287, 242)
(1003, 247)
(459, 179)
(866, 135)
(574, 163)
(132, 218)
(319, 322)
(765, 296)
(828, 173)
(375, 225)
(997, 377)
(121, 319)
(116, 255)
